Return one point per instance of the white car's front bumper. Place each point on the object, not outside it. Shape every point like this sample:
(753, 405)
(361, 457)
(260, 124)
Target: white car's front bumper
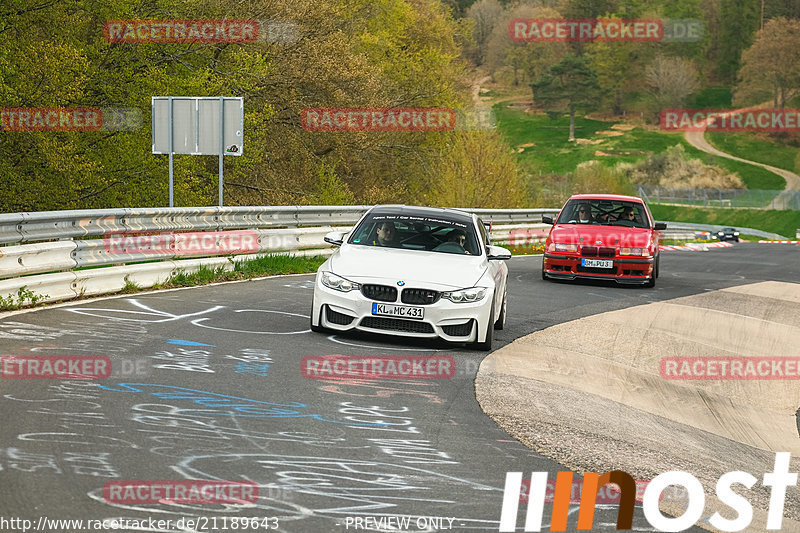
(454, 322)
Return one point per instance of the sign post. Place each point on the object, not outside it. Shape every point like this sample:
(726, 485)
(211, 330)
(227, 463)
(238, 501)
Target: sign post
(197, 125)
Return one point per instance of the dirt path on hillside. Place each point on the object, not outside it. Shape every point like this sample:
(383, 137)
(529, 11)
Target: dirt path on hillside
(782, 201)
(476, 91)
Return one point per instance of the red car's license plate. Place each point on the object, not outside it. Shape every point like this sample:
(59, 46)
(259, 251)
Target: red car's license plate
(597, 263)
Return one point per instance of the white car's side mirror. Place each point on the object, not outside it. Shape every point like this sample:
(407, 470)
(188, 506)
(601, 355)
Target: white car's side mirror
(335, 237)
(498, 253)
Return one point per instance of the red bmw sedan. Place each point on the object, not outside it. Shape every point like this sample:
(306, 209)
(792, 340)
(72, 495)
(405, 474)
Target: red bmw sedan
(603, 236)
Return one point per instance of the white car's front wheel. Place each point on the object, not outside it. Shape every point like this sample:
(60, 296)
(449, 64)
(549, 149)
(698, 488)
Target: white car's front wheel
(317, 329)
(486, 344)
(500, 323)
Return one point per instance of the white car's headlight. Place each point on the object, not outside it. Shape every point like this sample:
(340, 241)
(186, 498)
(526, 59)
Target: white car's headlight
(338, 283)
(473, 294)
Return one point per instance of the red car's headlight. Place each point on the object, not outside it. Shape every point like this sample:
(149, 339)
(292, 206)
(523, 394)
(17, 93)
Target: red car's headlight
(562, 247)
(634, 251)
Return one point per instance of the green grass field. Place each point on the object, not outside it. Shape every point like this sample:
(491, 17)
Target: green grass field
(781, 222)
(755, 148)
(753, 177)
(553, 153)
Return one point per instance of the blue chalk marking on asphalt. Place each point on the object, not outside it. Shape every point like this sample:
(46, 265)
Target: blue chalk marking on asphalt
(259, 369)
(227, 405)
(180, 342)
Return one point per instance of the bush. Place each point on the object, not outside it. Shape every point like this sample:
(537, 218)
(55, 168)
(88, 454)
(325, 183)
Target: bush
(594, 177)
(673, 168)
(476, 169)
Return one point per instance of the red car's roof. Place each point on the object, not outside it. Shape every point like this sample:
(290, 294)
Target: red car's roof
(605, 197)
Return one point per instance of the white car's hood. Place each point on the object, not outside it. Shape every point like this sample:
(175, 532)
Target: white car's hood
(435, 270)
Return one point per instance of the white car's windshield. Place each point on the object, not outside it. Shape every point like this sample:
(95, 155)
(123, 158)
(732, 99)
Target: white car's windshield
(604, 212)
(417, 232)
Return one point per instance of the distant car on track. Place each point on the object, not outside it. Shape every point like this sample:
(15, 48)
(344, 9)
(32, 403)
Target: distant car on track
(416, 272)
(726, 234)
(603, 236)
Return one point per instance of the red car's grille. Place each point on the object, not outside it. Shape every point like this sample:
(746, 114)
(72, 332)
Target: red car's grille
(606, 252)
(594, 251)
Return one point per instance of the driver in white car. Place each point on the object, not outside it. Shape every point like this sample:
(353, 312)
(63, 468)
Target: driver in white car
(459, 237)
(385, 234)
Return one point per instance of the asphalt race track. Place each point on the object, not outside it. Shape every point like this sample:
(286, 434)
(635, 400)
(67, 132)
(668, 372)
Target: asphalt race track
(213, 390)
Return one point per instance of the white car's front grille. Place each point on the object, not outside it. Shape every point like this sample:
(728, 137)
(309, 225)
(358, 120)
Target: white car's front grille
(419, 296)
(396, 324)
(382, 293)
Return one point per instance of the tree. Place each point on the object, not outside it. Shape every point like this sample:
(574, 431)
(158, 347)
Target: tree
(685, 9)
(781, 8)
(619, 68)
(572, 85)
(475, 169)
(771, 67)
(534, 59)
(588, 9)
(458, 6)
(739, 20)
(485, 14)
(351, 53)
(526, 61)
(670, 81)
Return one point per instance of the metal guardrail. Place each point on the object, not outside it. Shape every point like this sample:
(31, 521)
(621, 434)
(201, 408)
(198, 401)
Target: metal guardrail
(56, 269)
(728, 198)
(689, 226)
(55, 225)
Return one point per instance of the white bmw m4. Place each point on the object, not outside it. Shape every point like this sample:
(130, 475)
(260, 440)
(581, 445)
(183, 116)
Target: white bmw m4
(415, 272)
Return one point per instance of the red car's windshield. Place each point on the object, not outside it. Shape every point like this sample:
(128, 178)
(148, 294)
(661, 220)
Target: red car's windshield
(604, 212)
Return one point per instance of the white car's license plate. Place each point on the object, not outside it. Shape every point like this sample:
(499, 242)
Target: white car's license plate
(597, 263)
(401, 311)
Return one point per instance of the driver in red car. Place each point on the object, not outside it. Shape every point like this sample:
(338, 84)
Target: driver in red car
(584, 215)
